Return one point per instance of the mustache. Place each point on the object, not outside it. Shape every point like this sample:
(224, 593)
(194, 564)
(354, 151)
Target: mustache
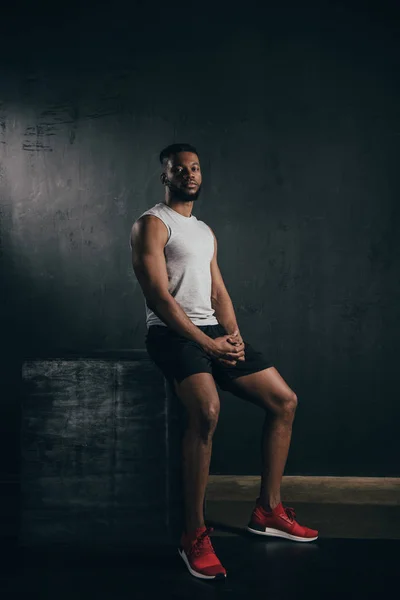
(169, 183)
(181, 194)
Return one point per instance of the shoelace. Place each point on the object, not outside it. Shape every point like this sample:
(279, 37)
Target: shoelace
(290, 513)
(203, 545)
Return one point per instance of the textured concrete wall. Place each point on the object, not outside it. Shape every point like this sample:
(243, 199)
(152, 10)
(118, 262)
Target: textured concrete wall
(294, 110)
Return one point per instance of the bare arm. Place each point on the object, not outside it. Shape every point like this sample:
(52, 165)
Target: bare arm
(148, 238)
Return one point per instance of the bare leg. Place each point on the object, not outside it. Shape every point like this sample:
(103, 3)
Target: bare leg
(200, 397)
(196, 465)
(269, 390)
(275, 443)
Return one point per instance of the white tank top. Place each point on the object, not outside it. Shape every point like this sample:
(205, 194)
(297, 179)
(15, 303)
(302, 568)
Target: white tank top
(188, 253)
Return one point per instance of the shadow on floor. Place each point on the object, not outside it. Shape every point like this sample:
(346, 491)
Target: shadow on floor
(257, 568)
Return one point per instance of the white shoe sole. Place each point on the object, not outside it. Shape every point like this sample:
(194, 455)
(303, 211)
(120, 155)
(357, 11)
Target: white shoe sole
(182, 554)
(278, 533)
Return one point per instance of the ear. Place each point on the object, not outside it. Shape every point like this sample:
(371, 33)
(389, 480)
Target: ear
(162, 177)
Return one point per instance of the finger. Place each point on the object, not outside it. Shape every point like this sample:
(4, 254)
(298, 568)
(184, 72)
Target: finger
(234, 358)
(239, 350)
(230, 363)
(235, 352)
(235, 341)
(236, 349)
(229, 357)
(232, 335)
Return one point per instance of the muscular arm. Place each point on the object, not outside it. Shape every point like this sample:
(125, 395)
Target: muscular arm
(148, 238)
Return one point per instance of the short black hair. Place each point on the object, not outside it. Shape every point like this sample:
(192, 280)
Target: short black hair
(174, 149)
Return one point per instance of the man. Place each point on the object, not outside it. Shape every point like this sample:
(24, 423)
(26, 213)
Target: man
(193, 337)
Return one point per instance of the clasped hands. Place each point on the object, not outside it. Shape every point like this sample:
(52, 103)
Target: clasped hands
(229, 348)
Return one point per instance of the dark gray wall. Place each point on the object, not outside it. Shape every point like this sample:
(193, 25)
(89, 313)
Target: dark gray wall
(295, 114)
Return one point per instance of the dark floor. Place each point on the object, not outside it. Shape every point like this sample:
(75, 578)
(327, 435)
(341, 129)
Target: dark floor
(257, 568)
(354, 521)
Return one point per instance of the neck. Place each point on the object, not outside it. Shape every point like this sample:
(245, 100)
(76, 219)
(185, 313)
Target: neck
(180, 206)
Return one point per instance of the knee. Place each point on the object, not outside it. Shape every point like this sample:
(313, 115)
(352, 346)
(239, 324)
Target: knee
(288, 406)
(206, 421)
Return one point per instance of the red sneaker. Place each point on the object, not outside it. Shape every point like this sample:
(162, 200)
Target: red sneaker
(199, 555)
(280, 522)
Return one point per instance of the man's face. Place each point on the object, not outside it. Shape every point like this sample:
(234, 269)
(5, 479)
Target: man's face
(183, 176)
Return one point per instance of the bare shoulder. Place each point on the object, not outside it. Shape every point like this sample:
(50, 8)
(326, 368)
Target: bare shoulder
(148, 230)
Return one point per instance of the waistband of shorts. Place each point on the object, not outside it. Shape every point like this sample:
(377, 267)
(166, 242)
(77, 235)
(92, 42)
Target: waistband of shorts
(166, 328)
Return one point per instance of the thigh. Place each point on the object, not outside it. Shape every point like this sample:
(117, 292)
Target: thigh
(255, 361)
(265, 388)
(199, 394)
(177, 357)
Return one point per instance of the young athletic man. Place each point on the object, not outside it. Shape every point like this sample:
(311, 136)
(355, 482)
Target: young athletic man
(194, 338)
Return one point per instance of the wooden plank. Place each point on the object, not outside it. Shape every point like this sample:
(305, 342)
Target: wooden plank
(333, 490)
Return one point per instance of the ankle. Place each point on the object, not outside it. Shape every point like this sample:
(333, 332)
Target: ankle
(193, 527)
(269, 504)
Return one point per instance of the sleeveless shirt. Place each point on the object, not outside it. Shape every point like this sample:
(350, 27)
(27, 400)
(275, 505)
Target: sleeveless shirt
(188, 253)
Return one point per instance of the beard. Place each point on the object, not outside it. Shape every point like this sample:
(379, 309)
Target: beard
(181, 195)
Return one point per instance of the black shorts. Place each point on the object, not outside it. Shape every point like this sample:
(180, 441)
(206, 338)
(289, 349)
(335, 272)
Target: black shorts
(178, 357)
